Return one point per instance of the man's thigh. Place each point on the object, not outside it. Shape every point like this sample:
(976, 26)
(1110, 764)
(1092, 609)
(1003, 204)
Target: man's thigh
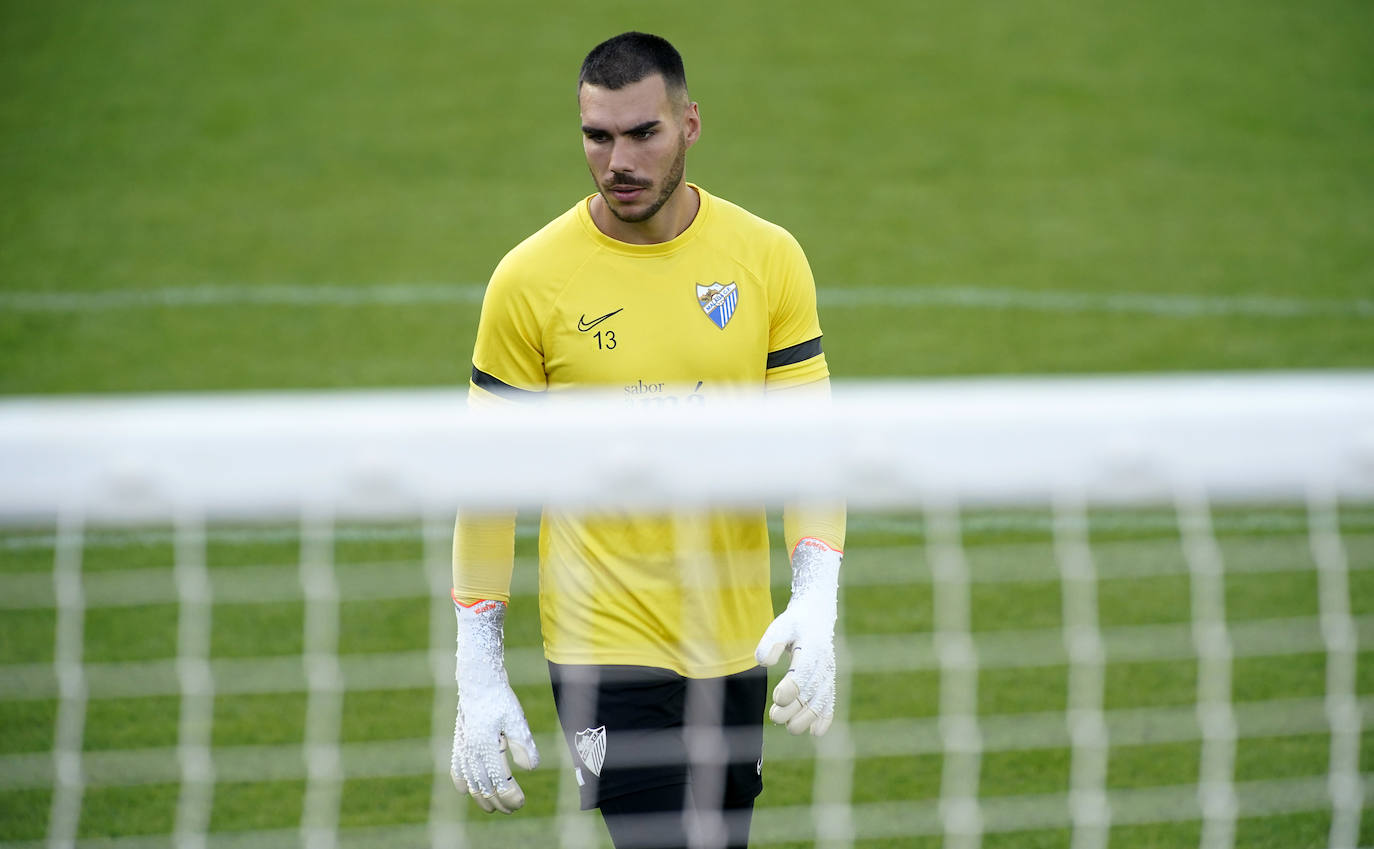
(724, 732)
(623, 725)
(633, 728)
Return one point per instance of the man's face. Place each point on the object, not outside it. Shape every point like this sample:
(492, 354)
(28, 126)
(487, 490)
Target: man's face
(636, 141)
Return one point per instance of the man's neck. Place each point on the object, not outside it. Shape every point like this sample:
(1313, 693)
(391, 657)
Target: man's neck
(667, 224)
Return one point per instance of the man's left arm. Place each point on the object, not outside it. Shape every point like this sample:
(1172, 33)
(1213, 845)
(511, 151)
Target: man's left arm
(814, 531)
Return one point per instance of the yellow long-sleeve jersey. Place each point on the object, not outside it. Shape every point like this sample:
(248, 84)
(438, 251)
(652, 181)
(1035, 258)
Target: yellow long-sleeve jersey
(726, 308)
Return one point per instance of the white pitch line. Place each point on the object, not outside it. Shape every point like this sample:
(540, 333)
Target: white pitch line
(396, 294)
(1184, 306)
(863, 297)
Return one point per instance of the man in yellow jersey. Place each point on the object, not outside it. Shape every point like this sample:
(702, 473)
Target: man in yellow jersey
(654, 626)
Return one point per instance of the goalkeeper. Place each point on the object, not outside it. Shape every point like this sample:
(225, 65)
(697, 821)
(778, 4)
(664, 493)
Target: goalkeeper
(655, 627)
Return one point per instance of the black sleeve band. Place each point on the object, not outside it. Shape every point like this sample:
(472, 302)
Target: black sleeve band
(496, 386)
(797, 353)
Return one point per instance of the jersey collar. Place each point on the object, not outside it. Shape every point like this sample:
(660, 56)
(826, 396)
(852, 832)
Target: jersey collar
(674, 244)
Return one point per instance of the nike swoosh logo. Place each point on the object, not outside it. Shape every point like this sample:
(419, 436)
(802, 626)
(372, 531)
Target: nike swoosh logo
(584, 325)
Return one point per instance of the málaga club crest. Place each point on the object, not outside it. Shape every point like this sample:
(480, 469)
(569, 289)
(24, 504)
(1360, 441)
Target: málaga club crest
(718, 302)
(591, 746)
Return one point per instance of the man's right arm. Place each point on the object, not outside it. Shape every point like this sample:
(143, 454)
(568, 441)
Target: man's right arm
(507, 368)
(483, 556)
(507, 373)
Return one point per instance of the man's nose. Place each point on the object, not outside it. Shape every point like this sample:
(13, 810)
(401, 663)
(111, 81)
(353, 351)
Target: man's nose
(620, 157)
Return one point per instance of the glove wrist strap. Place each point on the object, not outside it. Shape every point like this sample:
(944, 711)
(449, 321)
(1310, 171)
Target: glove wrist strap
(815, 570)
(481, 641)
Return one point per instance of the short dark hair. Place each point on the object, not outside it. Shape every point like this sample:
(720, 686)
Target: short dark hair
(630, 57)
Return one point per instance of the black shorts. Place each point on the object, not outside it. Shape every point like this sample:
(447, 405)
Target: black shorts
(640, 727)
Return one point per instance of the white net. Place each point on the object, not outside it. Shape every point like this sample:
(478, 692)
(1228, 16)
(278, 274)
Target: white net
(1083, 612)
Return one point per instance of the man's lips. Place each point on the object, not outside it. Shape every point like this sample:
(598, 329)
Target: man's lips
(625, 192)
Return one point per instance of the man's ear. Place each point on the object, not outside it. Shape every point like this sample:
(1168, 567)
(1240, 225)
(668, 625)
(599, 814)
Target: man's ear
(691, 124)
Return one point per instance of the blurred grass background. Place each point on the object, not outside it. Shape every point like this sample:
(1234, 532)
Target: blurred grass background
(259, 615)
(992, 178)
(1166, 148)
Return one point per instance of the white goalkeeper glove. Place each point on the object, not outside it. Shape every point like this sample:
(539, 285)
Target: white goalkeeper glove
(805, 698)
(490, 721)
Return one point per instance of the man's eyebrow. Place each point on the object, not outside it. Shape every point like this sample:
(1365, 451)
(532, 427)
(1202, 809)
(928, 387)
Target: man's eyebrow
(588, 129)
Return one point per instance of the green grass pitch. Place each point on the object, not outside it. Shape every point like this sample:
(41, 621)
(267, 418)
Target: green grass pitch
(1029, 166)
(386, 722)
(216, 195)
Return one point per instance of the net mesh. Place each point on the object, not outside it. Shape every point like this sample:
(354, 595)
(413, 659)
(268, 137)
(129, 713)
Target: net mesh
(1171, 661)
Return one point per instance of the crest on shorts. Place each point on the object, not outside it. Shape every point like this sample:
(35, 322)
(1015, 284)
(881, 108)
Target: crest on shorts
(718, 301)
(591, 747)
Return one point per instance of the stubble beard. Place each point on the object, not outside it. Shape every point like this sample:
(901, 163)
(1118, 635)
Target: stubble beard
(670, 184)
